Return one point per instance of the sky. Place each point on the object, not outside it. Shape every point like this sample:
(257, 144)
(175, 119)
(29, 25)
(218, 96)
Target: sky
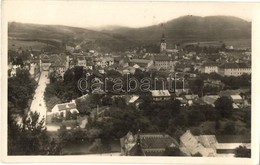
(130, 14)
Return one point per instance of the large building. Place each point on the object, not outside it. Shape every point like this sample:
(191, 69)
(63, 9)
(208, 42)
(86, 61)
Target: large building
(234, 69)
(209, 68)
(164, 62)
(142, 63)
(151, 144)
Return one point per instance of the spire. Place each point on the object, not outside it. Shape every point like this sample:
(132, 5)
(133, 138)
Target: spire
(163, 38)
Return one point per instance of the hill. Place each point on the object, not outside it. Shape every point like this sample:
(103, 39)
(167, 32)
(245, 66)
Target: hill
(184, 29)
(57, 36)
(193, 28)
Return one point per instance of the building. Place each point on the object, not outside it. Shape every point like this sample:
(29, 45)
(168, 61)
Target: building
(164, 62)
(198, 145)
(160, 95)
(209, 68)
(59, 64)
(234, 69)
(81, 61)
(106, 61)
(45, 62)
(150, 144)
(163, 44)
(237, 101)
(142, 63)
(62, 109)
(210, 99)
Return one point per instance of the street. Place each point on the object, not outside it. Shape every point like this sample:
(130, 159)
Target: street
(38, 103)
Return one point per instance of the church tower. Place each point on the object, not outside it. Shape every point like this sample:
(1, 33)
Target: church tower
(163, 44)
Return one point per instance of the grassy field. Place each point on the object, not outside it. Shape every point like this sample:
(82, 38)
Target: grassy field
(35, 45)
(239, 43)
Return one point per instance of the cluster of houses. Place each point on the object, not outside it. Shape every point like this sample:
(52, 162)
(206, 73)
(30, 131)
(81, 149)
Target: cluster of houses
(157, 144)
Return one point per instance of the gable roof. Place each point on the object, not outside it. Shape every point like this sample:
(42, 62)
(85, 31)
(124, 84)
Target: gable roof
(158, 93)
(66, 106)
(234, 65)
(162, 58)
(192, 145)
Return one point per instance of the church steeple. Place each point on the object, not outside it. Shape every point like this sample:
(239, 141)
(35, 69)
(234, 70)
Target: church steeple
(163, 44)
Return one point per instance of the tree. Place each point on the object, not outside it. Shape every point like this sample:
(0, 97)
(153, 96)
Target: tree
(30, 137)
(243, 152)
(229, 128)
(20, 90)
(196, 86)
(224, 106)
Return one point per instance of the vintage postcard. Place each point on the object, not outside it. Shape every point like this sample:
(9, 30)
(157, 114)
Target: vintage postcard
(130, 82)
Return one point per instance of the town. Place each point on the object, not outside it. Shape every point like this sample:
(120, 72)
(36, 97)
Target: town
(188, 99)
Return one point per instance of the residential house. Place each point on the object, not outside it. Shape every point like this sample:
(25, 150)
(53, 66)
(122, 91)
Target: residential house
(58, 64)
(61, 110)
(190, 98)
(106, 61)
(81, 61)
(160, 95)
(237, 101)
(45, 62)
(210, 99)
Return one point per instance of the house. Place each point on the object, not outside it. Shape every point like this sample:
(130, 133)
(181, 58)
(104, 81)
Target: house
(62, 109)
(237, 100)
(192, 145)
(210, 99)
(190, 98)
(121, 61)
(146, 144)
(58, 64)
(209, 68)
(81, 61)
(183, 102)
(45, 62)
(127, 70)
(164, 62)
(234, 69)
(160, 95)
(106, 61)
(89, 65)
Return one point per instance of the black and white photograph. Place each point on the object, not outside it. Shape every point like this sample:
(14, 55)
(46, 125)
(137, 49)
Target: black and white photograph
(119, 79)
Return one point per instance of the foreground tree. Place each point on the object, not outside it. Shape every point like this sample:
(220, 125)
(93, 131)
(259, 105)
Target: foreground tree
(30, 137)
(243, 152)
(224, 106)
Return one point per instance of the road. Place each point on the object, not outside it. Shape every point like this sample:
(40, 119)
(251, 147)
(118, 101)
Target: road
(38, 103)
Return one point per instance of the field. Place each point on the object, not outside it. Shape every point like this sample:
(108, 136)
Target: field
(239, 43)
(35, 45)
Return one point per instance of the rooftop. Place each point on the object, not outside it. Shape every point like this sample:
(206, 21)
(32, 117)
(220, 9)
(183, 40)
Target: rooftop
(160, 93)
(234, 65)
